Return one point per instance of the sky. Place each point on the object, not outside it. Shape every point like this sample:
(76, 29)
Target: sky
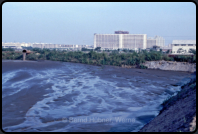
(76, 22)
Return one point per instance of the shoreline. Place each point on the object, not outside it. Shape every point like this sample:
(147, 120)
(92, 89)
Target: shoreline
(147, 64)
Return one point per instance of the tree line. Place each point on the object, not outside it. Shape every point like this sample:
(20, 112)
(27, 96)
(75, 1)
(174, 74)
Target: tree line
(98, 58)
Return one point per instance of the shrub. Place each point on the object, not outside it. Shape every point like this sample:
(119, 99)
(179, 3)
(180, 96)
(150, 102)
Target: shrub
(90, 61)
(143, 67)
(192, 51)
(7, 49)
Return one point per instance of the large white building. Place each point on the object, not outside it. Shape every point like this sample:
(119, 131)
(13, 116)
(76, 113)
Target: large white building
(124, 40)
(121, 40)
(183, 46)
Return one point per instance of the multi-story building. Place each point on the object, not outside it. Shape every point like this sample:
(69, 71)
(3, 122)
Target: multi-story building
(134, 41)
(183, 46)
(151, 42)
(160, 41)
(121, 40)
(156, 41)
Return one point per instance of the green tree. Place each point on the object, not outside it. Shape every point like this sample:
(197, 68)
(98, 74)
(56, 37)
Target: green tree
(192, 51)
(98, 48)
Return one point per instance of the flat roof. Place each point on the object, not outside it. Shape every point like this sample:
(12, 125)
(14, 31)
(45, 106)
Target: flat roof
(118, 34)
(184, 42)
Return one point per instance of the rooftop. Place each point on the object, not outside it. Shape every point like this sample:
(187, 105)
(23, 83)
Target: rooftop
(184, 42)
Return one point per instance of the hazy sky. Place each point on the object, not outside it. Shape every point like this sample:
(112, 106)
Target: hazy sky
(76, 22)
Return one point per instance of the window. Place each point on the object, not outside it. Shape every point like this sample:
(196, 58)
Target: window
(176, 44)
(190, 44)
(183, 44)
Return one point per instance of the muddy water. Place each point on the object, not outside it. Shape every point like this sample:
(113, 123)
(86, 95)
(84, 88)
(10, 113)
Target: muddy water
(60, 96)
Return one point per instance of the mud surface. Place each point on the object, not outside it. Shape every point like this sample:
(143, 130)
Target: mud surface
(61, 96)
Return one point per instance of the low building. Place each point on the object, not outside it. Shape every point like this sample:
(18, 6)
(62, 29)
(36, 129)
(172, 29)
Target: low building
(11, 45)
(23, 44)
(183, 46)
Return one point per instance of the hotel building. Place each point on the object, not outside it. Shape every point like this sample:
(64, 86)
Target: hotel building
(121, 40)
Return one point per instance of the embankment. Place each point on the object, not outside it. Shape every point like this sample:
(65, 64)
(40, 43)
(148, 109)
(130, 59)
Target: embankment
(178, 112)
(167, 65)
(171, 65)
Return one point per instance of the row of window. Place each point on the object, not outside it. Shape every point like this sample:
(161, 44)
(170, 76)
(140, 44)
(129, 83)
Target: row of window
(117, 37)
(107, 39)
(117, 45)
(184, 44)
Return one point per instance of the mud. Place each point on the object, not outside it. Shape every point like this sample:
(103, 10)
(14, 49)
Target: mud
(61, 96)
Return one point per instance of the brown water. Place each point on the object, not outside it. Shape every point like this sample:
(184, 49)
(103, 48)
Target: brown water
(61, 96)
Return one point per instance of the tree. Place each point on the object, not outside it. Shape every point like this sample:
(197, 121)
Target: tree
(180, 50)
(84, 49)
(168, 51)
(98, 48)
(7, 49)
(192, 51)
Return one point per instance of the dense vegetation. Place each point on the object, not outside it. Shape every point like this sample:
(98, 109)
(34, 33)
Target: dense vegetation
(98, 57)
(7, 49)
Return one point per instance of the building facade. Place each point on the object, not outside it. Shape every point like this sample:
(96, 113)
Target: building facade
(151, 42)
(160, 41)
(110, 41)
(11, 45)
(183, 46)
(54, 46)
(134, 41)
(121, 40)
(156, 41)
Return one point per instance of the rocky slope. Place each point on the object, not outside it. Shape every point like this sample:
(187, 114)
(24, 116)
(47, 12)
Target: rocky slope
(178, 113)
